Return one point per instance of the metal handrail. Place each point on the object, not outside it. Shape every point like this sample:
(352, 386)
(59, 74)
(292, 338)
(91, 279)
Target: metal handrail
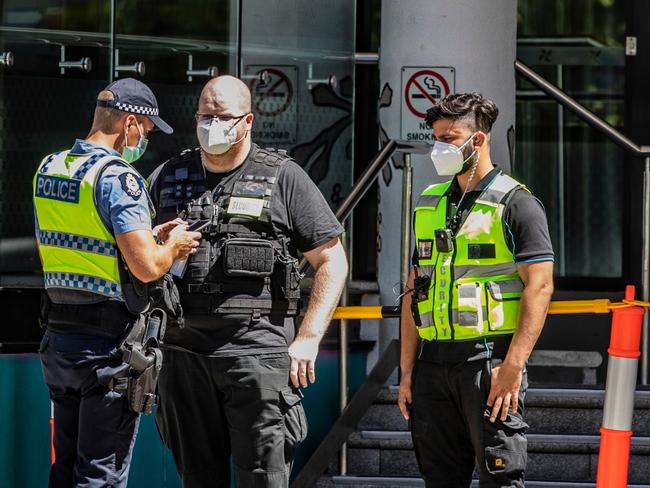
(370, 174)
(585, 114)
(349, 418)
(634, 149)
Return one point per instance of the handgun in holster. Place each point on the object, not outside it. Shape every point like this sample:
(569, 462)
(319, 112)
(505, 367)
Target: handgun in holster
(143, 359)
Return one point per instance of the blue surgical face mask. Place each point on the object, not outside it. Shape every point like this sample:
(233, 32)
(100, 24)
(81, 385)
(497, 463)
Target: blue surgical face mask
(133, 153)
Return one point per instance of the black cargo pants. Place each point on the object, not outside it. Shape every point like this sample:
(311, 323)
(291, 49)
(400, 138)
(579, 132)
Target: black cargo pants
(451, 428)
(211, 408)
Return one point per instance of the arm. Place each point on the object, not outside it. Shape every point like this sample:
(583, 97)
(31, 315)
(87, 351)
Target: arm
(409, 342)
(149, 261)
(506, 378)
(331, 267)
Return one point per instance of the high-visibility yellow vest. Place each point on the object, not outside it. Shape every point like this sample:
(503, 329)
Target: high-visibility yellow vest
(77, 249)
(474, 290)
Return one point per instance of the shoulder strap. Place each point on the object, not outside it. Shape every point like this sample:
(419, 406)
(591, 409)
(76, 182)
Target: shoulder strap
(181, 168)
(433, 194)
(498, 190)
(103, 163)
(47, 160)
(271, 157)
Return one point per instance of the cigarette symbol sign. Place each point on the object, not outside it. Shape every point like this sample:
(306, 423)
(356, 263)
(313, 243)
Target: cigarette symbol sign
(273, 96)
(275, 103)
(422, 88)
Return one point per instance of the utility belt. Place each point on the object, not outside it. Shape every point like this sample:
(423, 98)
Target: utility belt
(140, 346)
(215, 304)
(109, 318)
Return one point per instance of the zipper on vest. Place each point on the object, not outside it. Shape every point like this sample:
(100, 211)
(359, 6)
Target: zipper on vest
(435, 290)
(451, 291)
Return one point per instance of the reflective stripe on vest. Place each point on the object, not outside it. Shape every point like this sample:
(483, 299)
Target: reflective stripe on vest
(77, 249)
(83, 282)
(475, 289)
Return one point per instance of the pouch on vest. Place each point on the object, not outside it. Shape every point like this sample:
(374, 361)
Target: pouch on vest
(286, 278)
(165, 296)
(503, 299)
(250, 258)
(470, 304)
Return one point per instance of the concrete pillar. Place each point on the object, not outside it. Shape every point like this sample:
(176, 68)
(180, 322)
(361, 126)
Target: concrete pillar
(478, 39)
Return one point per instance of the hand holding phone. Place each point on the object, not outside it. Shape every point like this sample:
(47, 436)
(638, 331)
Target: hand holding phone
(198, 225)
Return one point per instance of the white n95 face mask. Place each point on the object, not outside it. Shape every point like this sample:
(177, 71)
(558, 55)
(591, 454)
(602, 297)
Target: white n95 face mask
(448, 158)
(217, 136)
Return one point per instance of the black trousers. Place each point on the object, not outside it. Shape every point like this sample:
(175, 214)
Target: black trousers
(212, 408)
(451, 428)
(94, 429)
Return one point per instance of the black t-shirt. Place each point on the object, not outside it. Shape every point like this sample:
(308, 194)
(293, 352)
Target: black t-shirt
(529, 241)
(298, 211)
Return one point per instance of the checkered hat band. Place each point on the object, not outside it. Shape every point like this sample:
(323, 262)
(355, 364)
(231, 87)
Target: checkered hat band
(76, 242)
(136, 109)
(83, 282)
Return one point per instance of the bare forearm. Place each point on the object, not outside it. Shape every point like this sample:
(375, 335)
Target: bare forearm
(325, 294)
(149, 261)
(410, 338)
(534, 305)
(160, 260)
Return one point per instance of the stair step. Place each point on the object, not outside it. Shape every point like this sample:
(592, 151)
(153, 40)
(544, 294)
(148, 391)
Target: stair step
(573, 458)
(555, 443)
(398, 482)
(552, 411)
(549, 397)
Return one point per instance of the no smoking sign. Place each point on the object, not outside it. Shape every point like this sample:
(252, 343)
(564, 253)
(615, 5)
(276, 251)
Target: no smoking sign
(422, 88)
(274, 103)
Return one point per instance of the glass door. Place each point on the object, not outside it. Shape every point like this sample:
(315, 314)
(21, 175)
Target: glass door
(174, 47)
(55, 60)
(297, 59)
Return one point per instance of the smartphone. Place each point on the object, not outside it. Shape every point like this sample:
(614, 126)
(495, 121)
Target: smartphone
(198, 225)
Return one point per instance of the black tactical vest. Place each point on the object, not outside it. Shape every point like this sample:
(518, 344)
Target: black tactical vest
(241, 265)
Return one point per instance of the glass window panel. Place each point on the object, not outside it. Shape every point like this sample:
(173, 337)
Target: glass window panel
(306, 104)
(170, 38)
(574, 170)
(43, 108)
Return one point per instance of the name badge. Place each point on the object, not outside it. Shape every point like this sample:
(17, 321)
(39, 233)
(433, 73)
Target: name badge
(246, 206)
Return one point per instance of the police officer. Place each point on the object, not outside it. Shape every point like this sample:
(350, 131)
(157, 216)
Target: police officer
(93, 223)
(230, 378)
(481, 284)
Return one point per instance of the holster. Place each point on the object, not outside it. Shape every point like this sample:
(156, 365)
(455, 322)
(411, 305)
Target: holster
(141, 352)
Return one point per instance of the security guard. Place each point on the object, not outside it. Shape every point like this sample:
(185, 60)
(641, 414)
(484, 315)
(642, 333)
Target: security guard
(93, 227)
(230, 376)
(481, 284)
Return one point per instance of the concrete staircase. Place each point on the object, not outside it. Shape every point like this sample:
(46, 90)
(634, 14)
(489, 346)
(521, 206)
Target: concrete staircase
(562, 443)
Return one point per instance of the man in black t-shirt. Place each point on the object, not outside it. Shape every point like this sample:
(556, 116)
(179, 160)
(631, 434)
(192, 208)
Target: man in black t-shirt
(482, 280)
(230, 377)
